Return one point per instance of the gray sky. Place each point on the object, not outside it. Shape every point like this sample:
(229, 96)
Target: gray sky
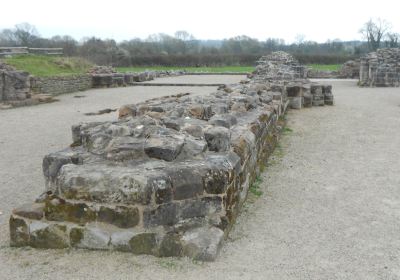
(318, 20)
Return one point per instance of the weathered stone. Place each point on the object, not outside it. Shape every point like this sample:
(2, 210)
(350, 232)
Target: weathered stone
(128, 110)
(143, 243)
(113, 184)
(125, 148)
(166, 148)
(34, 211)
(171, 246)
(60, 210)
(194, 130)
(193, 148)
(218, 139)
(19, 232)
(164, 214)
(202, 243)
(93, 237)
(43, 235)
(223, 120)
(186, 183)
(120, 216)
(75, 236)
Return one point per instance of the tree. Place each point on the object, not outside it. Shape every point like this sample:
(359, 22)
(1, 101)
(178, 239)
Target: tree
(393, 40)
(184, 35)
(374, 31)
(25, 34)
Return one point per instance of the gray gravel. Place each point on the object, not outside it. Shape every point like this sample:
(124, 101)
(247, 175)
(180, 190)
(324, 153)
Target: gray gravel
(330, 208)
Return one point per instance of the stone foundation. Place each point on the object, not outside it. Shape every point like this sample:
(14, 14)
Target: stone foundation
(170, 176)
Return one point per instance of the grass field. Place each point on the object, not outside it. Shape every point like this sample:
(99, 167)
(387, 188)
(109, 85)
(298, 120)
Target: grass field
(219, 69)
(325, 67)
(42, 66)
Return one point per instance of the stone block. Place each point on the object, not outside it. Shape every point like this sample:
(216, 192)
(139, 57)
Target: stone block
(44, 235)
(218, 139)
(203, 243)
(19, 231)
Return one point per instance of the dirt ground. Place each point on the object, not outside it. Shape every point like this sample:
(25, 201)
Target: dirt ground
(330, 207)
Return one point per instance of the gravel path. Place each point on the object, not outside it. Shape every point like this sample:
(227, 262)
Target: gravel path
(330, 208)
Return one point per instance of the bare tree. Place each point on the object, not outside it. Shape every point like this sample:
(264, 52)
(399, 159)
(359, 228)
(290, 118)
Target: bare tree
(393, 40)
(374, 31)
(26, 34)
(184, 35)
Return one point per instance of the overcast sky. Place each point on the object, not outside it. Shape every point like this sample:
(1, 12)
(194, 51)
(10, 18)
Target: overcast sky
(318, 20)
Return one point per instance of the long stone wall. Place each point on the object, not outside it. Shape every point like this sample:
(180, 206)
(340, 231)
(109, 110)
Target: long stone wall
(171, 175)
(381, 68)
(60, 84)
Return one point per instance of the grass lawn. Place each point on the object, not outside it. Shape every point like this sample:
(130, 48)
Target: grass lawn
(42, 66)
(219, 69)
(325, 67)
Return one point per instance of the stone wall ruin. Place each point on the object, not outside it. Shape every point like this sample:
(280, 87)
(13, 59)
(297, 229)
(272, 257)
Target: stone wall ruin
(381, 68)
(14, 85)
(171, 175)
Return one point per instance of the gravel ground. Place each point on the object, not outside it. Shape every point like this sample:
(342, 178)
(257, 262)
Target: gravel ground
(330, 207)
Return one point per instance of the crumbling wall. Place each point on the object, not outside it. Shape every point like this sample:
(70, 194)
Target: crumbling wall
(170, 176)
(381, 68)
(14, 85)
(350, 69)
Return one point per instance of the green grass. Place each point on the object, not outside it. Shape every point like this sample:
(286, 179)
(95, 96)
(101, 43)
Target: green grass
(44, 66)
(325, 67)
(255, 187)
(218, 69)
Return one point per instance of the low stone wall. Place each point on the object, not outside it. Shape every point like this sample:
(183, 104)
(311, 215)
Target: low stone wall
(170, 176)
(115, 79)
(60, 84)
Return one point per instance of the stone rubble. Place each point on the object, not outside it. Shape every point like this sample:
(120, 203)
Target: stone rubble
(350, 69)
(380, 68)
(171, 175)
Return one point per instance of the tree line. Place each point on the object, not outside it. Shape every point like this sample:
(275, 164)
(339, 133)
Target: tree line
(183, 49)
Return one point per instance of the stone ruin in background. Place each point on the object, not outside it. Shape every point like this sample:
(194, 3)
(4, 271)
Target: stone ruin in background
(380, 68)
(14, 85)
(170, 176)
(106, 76)
(350, 69)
